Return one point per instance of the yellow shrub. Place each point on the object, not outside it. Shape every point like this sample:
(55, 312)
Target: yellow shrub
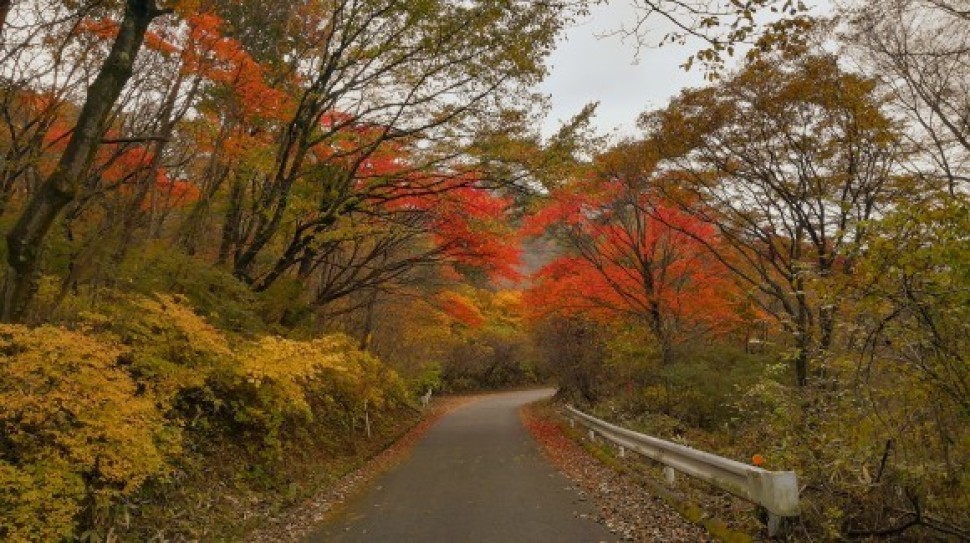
(38, 501)
(74, 430)
(288, 364)
(87, 416)
(280, 379)
(170, 348)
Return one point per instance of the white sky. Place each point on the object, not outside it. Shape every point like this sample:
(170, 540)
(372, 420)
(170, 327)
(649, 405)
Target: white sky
(588, 66)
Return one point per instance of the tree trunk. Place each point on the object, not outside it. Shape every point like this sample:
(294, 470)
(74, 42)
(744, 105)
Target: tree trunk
(230, 230)
(4, 10)
(660, 334)
(264, 233)
(133, 212)
(27, 236)
(367, 333)
(292, 152)
(803, 332)
(216, 173)
(826, 324)
(803, 345)
(801, 362)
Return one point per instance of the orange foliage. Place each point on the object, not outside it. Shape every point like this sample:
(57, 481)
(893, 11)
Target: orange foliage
(460, 309)
(107, 29)
(175, 193)
(156, 42)
(224, 60)
(125, 164)
(622, 266)
(58, 135)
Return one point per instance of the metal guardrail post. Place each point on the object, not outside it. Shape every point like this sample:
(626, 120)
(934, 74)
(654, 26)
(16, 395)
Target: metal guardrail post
(670, 475)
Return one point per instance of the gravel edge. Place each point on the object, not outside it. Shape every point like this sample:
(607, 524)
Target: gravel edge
(625, 505)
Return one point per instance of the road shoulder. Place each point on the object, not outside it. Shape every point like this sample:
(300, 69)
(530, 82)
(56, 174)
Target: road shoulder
(298, 522)
(626, 505)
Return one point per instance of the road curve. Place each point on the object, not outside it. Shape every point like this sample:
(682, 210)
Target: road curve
(477, 476)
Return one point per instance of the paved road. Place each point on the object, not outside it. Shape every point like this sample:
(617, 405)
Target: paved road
(477, 476)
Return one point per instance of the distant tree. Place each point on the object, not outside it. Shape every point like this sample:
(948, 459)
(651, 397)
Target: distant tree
(788, 161)
(629, 254)
(576, 346)
(920, 50)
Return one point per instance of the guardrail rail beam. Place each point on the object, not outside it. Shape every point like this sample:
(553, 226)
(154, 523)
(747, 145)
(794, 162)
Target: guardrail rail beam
(776, 491)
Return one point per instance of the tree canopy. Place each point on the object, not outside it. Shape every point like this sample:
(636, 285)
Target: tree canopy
(241, 238)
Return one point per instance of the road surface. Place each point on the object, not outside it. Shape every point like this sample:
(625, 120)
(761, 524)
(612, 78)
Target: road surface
(477, 476)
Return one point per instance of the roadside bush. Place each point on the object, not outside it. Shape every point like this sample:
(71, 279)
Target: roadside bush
(703, 382)
(214, 293)
(280, 383)
(897, 471)
(429, 377)
(168, 346)
(88, 416)
(76, 432)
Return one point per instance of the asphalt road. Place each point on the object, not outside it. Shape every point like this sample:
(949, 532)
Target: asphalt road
(477, 476)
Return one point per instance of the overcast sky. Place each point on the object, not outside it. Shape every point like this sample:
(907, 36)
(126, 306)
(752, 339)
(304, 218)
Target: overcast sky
(587, 68)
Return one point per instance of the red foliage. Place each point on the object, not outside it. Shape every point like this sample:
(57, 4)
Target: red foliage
(335, 119)
(460, 309)
(174, 192)
(224, 61)
(570, 206)
(629, 255)
(469, 223)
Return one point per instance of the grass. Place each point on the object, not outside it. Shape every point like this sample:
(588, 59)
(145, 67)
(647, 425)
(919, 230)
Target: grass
(223, 492)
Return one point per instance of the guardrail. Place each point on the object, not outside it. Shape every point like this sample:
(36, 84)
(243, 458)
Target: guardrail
(776, 491)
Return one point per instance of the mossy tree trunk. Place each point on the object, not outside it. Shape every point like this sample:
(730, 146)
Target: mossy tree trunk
(25, 240)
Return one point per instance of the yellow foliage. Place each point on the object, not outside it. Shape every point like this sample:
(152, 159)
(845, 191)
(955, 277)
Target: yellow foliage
(508, 301)
(87, 416)
(318, 371)
(202, 337)
(38, 501)
(288, 363)
(70, 418)
(170, 347)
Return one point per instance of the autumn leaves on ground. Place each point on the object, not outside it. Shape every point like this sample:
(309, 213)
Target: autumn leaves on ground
(242, 238)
